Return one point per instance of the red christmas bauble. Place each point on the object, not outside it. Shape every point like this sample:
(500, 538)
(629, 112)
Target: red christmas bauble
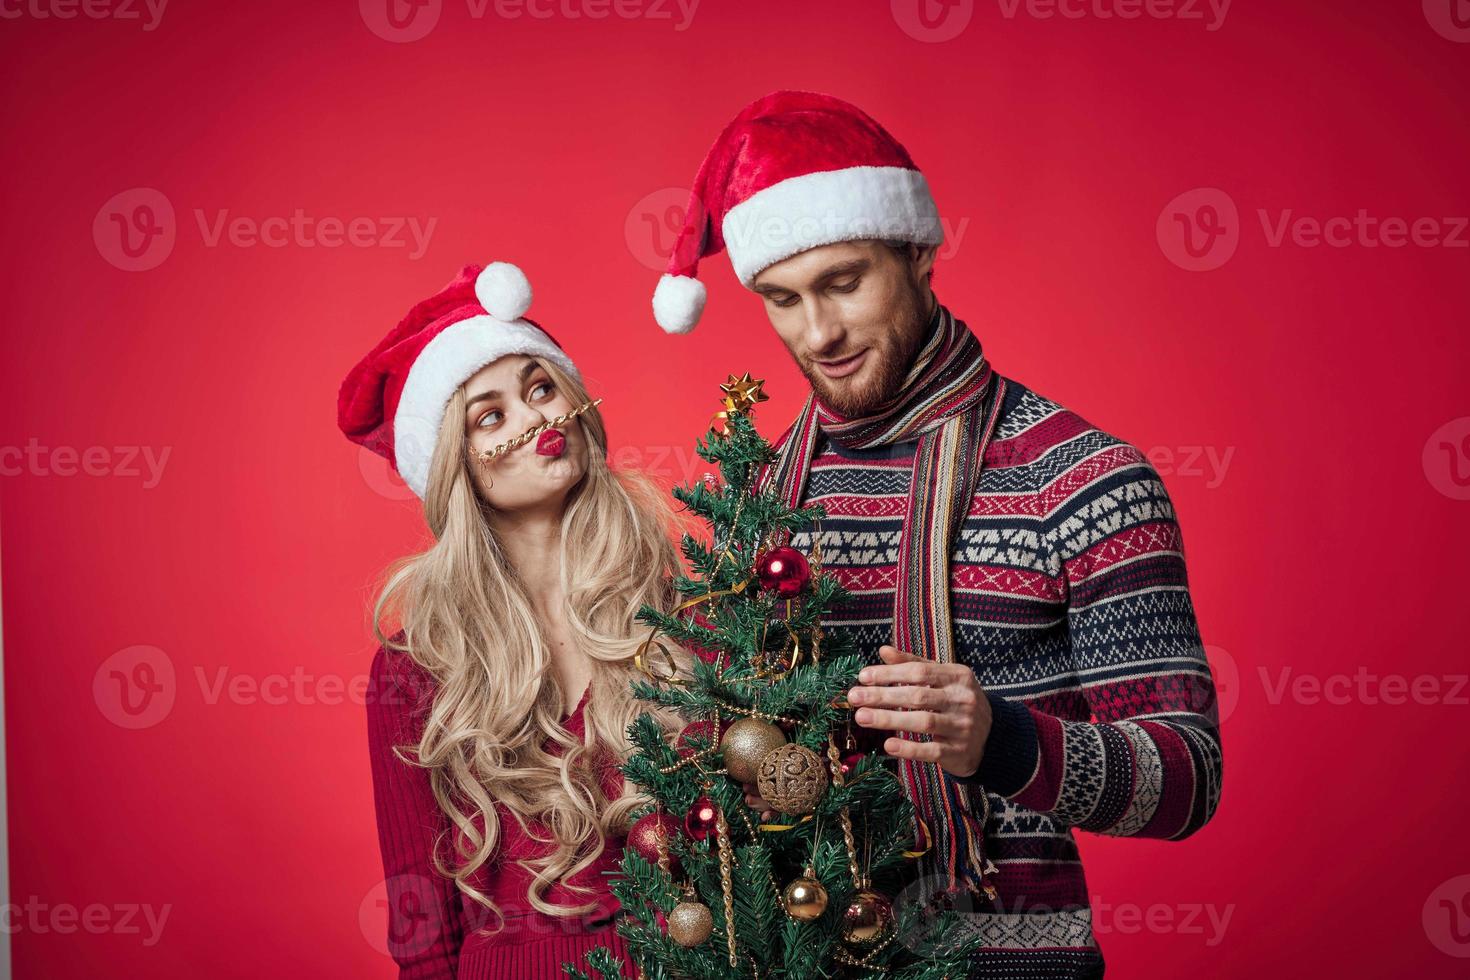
(643, 837)
(849, 762)
(784, 571)
(702, 818)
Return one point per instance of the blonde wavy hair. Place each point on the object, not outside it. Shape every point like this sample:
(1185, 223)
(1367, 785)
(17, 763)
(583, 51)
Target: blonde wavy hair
(468, 621)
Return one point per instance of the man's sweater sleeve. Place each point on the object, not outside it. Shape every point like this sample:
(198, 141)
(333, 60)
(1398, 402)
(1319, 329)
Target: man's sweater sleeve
(1148, 762)
(425, 918)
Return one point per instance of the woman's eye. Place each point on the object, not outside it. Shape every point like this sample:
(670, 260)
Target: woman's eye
(490, 418)
(544, 389)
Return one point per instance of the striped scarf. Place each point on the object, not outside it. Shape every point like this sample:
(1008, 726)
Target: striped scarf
(947, 401)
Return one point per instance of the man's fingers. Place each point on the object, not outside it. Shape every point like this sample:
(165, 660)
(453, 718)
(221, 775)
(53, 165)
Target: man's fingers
(921, 722)
(904, 696)
(902, 748)
(891, 654)
(911, 672)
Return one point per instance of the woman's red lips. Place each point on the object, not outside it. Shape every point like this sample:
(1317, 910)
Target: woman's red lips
(551, 443)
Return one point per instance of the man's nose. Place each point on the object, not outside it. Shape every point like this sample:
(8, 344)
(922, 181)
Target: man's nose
(823, 329)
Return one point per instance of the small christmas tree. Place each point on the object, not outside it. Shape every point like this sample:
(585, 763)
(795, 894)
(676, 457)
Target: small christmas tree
(708, 889)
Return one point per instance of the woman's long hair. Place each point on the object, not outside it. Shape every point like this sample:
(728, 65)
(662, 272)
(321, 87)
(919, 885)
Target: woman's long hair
(468, 621)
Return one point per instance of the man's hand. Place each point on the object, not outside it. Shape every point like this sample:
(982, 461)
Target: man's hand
(943, 701)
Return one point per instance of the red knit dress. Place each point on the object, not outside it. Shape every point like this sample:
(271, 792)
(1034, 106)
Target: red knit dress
(435, 932)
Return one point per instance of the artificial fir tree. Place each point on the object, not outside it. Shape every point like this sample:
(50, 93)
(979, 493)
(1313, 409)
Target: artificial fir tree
(709, 890)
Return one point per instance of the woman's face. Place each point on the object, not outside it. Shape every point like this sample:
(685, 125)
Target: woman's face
(503, 400)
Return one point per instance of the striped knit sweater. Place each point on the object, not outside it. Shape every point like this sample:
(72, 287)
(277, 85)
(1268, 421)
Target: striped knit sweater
(1070, 603)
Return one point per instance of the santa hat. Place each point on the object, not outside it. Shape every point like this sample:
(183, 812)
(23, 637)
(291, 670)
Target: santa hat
(793, 171)
(393, 401)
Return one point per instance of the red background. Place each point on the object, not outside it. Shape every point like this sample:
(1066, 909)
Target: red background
(1331, 544)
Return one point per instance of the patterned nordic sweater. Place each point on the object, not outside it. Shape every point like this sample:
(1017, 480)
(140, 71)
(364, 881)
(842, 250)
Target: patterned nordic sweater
(1070, 603)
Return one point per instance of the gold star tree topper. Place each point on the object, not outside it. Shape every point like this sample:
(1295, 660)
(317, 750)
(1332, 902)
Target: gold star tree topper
(743, 393)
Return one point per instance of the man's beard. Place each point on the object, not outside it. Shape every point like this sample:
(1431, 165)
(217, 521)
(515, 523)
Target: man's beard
(891, 357)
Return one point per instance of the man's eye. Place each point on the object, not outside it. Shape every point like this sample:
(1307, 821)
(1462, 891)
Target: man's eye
(490, 418)
(785, 301)
(845, 287)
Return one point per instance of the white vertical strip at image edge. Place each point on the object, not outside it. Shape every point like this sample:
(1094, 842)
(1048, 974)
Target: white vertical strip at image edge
(4, 803)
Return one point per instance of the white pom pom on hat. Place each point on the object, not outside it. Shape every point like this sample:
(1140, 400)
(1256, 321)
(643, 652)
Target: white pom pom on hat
(678, 302)
(504, 291)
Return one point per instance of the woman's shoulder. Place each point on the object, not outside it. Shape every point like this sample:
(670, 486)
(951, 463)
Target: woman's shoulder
(396, 682)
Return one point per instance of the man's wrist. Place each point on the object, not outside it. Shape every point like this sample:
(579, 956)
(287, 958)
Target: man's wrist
(1009, 758)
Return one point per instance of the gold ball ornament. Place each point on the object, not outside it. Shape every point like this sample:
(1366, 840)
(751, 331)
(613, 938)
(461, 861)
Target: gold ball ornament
(690, 923)
(745, 744)
(792, 779)
(868, 919)
(805, 899)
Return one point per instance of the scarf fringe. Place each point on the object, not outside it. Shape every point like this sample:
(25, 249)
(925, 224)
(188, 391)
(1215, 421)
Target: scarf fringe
(949, 402)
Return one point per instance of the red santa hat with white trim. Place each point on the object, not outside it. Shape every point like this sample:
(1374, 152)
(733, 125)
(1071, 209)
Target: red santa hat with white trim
(393, 401)
(792, 171)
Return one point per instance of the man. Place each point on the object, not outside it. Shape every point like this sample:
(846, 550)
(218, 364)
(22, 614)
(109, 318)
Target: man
(1019, 573)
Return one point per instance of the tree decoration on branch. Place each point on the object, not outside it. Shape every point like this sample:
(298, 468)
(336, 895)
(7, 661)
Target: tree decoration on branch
(709, 887)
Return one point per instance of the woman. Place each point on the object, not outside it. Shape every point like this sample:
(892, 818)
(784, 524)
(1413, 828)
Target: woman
(497, 713)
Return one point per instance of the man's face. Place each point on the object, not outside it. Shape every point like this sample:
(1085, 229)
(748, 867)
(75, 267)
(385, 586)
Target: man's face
(852, 315)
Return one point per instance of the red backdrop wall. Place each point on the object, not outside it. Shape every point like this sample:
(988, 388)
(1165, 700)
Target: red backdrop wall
(210, 215)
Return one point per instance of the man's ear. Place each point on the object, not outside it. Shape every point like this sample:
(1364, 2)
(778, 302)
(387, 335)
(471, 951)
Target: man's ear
(922, 258)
